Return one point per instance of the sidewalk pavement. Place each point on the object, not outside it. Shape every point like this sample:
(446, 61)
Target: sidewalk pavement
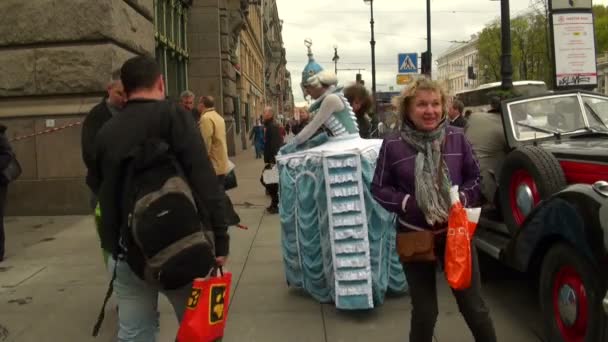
(53, 282)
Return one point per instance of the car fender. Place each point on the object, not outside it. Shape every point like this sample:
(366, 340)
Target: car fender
(572, 216)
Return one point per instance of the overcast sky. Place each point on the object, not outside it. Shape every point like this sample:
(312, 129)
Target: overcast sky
(400, 26)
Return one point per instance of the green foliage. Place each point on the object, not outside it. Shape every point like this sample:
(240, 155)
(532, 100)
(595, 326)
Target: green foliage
(600, 14)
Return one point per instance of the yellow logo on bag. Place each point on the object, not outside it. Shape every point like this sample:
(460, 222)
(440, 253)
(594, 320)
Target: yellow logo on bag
(217, 298)
(193, 299)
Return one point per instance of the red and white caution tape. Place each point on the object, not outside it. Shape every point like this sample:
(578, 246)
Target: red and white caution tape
(47, 131)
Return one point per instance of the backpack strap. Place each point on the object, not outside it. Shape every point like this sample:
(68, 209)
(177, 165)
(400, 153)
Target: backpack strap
(106, 299)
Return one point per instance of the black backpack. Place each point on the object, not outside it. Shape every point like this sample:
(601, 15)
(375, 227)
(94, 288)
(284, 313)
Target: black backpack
(162, 237)
(163, 240)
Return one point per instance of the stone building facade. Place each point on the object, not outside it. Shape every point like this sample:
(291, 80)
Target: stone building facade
(454, 64)
(58, 56)
(279, 93)
(250, 75)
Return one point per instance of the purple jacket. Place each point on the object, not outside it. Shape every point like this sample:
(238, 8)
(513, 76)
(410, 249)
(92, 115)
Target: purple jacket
(394, 176)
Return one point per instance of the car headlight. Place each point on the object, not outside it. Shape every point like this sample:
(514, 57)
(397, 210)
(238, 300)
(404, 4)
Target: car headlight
(601, 187)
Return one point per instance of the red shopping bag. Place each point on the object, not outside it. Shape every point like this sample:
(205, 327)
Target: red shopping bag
(461, 227)
(207, 309)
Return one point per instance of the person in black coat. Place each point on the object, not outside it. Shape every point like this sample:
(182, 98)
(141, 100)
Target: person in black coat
(109, 106)
(6, 155)
(272, 144)
(145, 117)
(455, 114)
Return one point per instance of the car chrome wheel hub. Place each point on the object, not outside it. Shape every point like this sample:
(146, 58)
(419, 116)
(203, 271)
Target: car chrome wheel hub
(568, 305)
(523, 195)
(524, 199)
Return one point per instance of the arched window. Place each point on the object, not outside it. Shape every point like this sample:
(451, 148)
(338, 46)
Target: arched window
(170, 22)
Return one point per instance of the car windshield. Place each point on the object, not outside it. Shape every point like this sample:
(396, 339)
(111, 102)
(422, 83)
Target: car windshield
(549, 115)
(596, 109)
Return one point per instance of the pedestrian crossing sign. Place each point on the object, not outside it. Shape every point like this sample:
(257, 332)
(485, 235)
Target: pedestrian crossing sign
(408, 63)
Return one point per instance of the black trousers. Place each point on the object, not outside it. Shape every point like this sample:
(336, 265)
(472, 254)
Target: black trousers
(273, 191)
(232, 218)
(421, 277)
(3, 189)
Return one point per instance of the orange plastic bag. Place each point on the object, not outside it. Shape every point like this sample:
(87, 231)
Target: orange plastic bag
(461, 227)
(207, 309)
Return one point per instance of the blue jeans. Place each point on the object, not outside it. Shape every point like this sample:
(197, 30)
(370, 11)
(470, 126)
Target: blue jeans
(138, 317)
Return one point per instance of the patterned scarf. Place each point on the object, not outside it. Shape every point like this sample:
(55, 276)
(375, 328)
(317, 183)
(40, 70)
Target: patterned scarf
(431, 172)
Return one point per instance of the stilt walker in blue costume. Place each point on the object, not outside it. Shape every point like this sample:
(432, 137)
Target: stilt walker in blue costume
(338, 243)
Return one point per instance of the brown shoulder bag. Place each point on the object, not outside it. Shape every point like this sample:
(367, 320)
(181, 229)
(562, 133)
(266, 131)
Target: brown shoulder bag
(417, 246)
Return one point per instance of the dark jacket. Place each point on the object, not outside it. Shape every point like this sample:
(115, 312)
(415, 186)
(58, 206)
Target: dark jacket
(139, 121)
(6, 151)
(365, 126)
(394, 175)
(459, 122)
(96, 118)
(295, 129)
(272, 141)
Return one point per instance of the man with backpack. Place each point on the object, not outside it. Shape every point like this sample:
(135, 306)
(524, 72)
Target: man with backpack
(161, 209)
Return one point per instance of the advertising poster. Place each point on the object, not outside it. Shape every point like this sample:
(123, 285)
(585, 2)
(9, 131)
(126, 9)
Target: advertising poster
(574, 43)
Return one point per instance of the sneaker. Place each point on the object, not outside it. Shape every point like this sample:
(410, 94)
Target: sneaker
(272, 210)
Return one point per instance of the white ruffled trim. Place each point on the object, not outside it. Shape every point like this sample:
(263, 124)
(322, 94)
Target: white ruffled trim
(356, 290)
(342, 262)
(338, 208)
(353, 220)
(354, 233)
(352, 275)
(349, 248)
(345, 191)
(340, 163)
(342, 178)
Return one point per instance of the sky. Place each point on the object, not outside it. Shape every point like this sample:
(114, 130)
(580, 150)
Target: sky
(400, 27)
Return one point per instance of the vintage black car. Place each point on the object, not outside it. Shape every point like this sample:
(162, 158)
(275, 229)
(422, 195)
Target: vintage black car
(553, 208)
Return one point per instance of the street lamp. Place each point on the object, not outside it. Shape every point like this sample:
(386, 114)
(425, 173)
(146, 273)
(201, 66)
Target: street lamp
(373, 45)
(429, 58)
(506, 68)
(336, 58)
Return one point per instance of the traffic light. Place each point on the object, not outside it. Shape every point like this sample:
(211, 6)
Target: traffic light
(425, 65)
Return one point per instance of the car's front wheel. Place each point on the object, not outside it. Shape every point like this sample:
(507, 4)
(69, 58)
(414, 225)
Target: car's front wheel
(570, 297)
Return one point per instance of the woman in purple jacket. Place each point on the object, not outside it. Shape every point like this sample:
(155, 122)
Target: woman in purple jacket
(415, 171)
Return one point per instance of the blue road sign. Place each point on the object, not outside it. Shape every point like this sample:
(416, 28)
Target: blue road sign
(408, 63)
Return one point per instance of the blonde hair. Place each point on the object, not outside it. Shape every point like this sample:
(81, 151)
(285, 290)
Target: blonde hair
(404, 101)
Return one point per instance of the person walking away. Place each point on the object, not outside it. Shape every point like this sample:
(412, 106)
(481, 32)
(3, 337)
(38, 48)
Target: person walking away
(257, 138)
(416, 169)
(148, 117)
(272, 144)
(109, 106)
(213, 130)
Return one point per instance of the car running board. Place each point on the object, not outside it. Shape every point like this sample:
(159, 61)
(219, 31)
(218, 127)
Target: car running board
(496, 226)
(491, 242)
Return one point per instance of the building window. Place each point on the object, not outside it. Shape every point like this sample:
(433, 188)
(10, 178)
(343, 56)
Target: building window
(170, 22)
